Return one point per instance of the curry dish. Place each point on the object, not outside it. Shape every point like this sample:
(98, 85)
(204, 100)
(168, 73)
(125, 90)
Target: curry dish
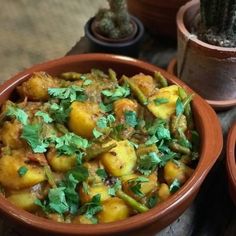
(89, 148)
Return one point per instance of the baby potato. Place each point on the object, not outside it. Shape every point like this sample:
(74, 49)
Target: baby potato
(81, 219)
(146, 187)
(10, 134)
(114, 209)
(179, 171)
(145, 83)
(92, 191)
(121, 159)
(165, 110)
(122, 105)
(82, 118)
(36, 88)
(24, 199)
(9, 176)
(163, 192)
(60, 163)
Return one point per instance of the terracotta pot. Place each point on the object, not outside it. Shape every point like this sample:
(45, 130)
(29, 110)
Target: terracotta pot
(163, 214)
(231, 161)
(159, 16)
(127, 46)
(217, 105)
(209, 70)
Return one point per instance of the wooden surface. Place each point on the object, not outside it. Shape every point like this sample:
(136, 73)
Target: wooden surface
(212, 213)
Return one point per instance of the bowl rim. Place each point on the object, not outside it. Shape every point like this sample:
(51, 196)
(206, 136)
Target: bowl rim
(231, 159)
(207, 160)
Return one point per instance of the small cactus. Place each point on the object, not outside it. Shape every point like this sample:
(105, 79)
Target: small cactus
(218, 22)
(114, 23)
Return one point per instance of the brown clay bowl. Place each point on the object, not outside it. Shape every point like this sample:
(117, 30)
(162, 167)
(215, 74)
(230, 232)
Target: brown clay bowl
(207, 125)
(219, 105)
(231, 161)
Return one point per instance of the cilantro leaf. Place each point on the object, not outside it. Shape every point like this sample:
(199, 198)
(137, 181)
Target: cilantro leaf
(106, 108)
(112, 190)
(175, 185)
(90, 209)
(102, 123)
(117, 93)
(22, 171)
(159, 101)
(45, 116)
(18, 113)
(101, 173)
(97, 133)
(80, 173)
(159, 130)
(131, 118)
(32, 135)
(87, 82)
(136, 185)
(179, 107)
(152, 201)
(60, 112)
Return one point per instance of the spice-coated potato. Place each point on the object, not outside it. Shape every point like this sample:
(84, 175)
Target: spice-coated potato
(10, 134)
(179, 171)
(145, 83)
(82, 118)
(24, 199)
(60, 163)
(36, 88)
(121, 160)
(165, 110)
(163, 192)
(113, 209)
(9, 176)
(92, 191)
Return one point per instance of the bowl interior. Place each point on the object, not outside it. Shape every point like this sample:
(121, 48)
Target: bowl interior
(206, 124)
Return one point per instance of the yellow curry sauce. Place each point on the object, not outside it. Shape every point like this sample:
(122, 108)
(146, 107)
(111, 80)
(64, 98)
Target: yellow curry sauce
(89, 148)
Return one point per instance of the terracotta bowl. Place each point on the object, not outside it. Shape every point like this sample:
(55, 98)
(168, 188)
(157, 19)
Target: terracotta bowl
(231, 161)
(207, 125)
(219, 105)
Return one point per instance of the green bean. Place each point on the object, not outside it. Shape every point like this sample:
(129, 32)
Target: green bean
(49, 175)
(178, 148)
(61, 128)
(131, 202)
(71, 76)
(97, 150)
(136, 90)
(161, 80)
(142, 150)
(112, 75)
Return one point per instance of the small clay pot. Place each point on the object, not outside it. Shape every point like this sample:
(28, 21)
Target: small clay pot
(159, 16)
(209, 70)
(231, 161)
(127, 46)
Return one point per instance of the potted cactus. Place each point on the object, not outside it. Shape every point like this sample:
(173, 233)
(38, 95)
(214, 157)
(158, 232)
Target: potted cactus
(206, 58)
(114, 30)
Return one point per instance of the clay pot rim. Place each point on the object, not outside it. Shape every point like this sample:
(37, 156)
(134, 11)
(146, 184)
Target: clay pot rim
(210, 150)
(216, 104)
(135, 39)
(231, 51)
(231, 161)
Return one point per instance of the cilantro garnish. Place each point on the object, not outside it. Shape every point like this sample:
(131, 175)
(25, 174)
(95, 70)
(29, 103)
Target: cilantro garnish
(102, 123)
(175, 185)
(106, 108)
(87, 82)
(72, 93)
(112, 190)
(60, 112)
(45, 116)
(152, 201)
(117, 93)
(97, 133)
(90, 209)
(131, 118)
(135, 185)
(101, 173)
(159, 101)
(179, 107)
(18, 113)
(22, 171)
(159, 130)
(32, 135)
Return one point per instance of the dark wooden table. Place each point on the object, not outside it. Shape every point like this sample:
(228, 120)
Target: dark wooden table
(212, 213)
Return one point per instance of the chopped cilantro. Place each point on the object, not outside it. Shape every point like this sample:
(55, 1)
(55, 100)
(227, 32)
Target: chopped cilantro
(60, 112)
(175, 185)
(151, 140)
(102, 123)
(179, 107)
(87, 82)
(131, 118)
(158, 128)
(18, 113)
(80, 173)
(159, 101)
(152, 201)
(106, 108)
(32, 135)
(45, 116)
(112, 190)
(97, 133)
(22, 171)
(90, 209)
(135, 185)
(117, 93)
(101, 173)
